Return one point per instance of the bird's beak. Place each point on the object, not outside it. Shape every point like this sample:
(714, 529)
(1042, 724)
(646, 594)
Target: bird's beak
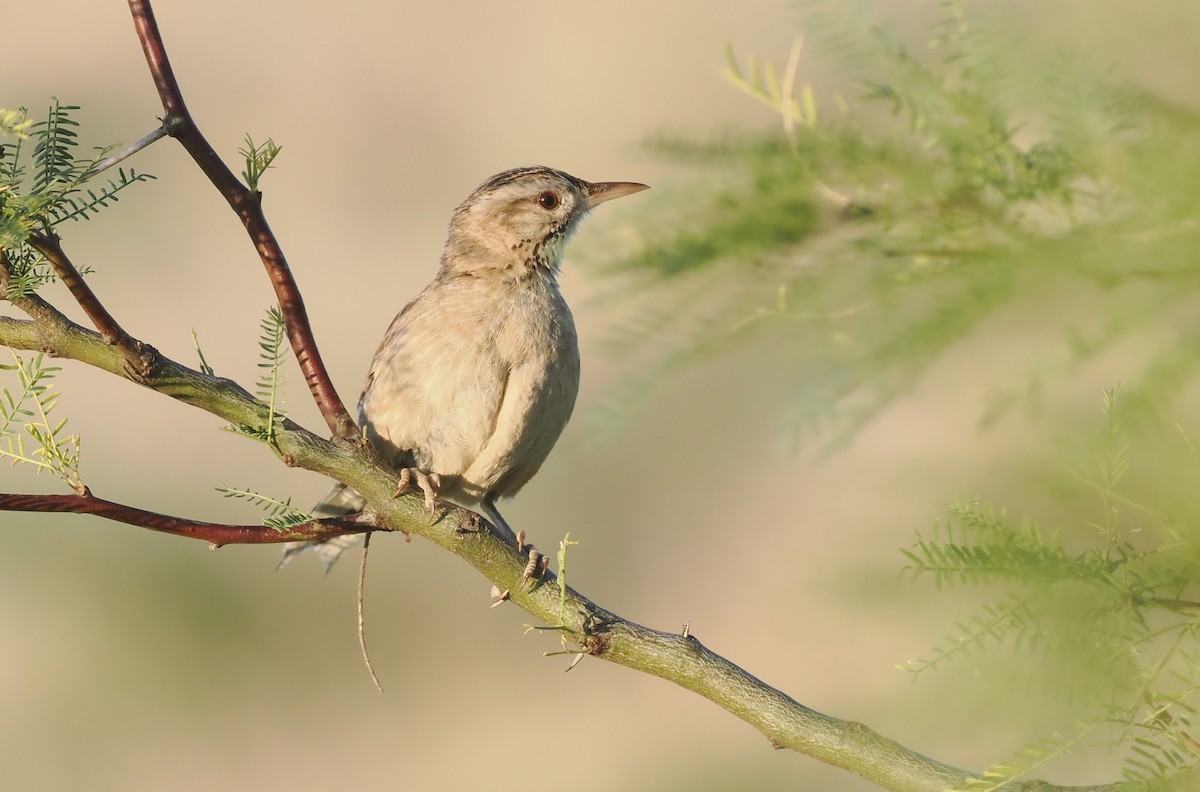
(605, 191)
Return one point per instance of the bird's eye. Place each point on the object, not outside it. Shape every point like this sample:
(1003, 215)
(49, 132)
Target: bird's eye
(548, 200)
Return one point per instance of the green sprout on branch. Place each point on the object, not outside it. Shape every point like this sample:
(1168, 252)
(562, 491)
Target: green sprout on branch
(269, 385)
(55, 191)
(27, 415)
(281, 514)
(258, 160)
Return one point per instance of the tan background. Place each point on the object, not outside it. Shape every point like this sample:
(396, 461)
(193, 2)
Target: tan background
(134, 661)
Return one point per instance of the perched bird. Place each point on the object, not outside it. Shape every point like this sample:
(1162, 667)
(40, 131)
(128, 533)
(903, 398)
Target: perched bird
(477, 376)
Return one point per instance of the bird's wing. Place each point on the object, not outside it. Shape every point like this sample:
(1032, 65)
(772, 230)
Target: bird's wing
(339, 500)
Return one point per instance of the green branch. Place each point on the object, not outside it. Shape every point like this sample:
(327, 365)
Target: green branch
(681, 659)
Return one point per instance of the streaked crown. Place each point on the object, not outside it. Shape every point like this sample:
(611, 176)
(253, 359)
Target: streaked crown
(521, 218)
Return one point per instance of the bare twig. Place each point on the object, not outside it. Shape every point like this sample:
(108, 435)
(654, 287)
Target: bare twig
(140, 357)
(216, 534)
(362, 622)
(179, 124)
(128, 151)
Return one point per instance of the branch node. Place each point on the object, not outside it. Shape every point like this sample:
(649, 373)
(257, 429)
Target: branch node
(175, 124)
(469, 525)
(596, 644)
(141, 359)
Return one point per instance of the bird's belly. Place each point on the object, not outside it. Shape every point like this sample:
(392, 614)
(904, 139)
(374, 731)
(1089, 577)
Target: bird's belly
(439, 421)
(480, 401)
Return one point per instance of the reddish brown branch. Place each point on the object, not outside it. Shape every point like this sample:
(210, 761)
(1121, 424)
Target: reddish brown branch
(138, 356)
(110, 331)
(216, 534)
(35, 307)
(179, 124)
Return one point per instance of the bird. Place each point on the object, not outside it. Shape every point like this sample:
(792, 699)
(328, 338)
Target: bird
(477, 376)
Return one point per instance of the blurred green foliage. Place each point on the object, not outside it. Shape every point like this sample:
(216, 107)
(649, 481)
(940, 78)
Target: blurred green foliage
(975, 179)
(44, 182)
(858, 243)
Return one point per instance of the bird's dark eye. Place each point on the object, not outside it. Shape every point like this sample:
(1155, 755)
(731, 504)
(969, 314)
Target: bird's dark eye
(548, 200)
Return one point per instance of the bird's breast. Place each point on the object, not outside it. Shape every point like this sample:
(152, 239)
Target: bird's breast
(473, 363)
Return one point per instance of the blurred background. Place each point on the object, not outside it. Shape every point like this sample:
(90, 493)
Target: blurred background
(132, 660)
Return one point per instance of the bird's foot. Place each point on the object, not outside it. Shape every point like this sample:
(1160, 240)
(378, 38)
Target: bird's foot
(536, 568)
(429, 484)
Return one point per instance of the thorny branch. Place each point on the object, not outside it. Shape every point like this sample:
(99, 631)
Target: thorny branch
(179, 124)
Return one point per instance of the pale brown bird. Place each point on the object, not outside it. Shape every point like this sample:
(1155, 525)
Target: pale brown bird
(477, 376)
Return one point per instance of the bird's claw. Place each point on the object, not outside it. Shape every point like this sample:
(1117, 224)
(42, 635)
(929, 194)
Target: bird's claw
(535, 570)
(429, 484)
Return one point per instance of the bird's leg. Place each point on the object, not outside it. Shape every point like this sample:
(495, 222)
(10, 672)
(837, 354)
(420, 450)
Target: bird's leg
(488, 507)
(429, 484)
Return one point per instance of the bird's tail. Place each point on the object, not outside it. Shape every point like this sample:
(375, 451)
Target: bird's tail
(339, 501)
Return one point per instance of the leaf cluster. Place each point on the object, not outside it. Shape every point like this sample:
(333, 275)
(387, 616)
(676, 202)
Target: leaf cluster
(258, 159)
(44, 181)
(27, 416)
(843, 253)
(1113, 627)
(281, 514)
(268, 387)
(848, 249)
(272, 351)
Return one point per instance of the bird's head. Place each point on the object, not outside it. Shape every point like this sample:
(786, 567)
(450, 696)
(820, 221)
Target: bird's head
(519, 219)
